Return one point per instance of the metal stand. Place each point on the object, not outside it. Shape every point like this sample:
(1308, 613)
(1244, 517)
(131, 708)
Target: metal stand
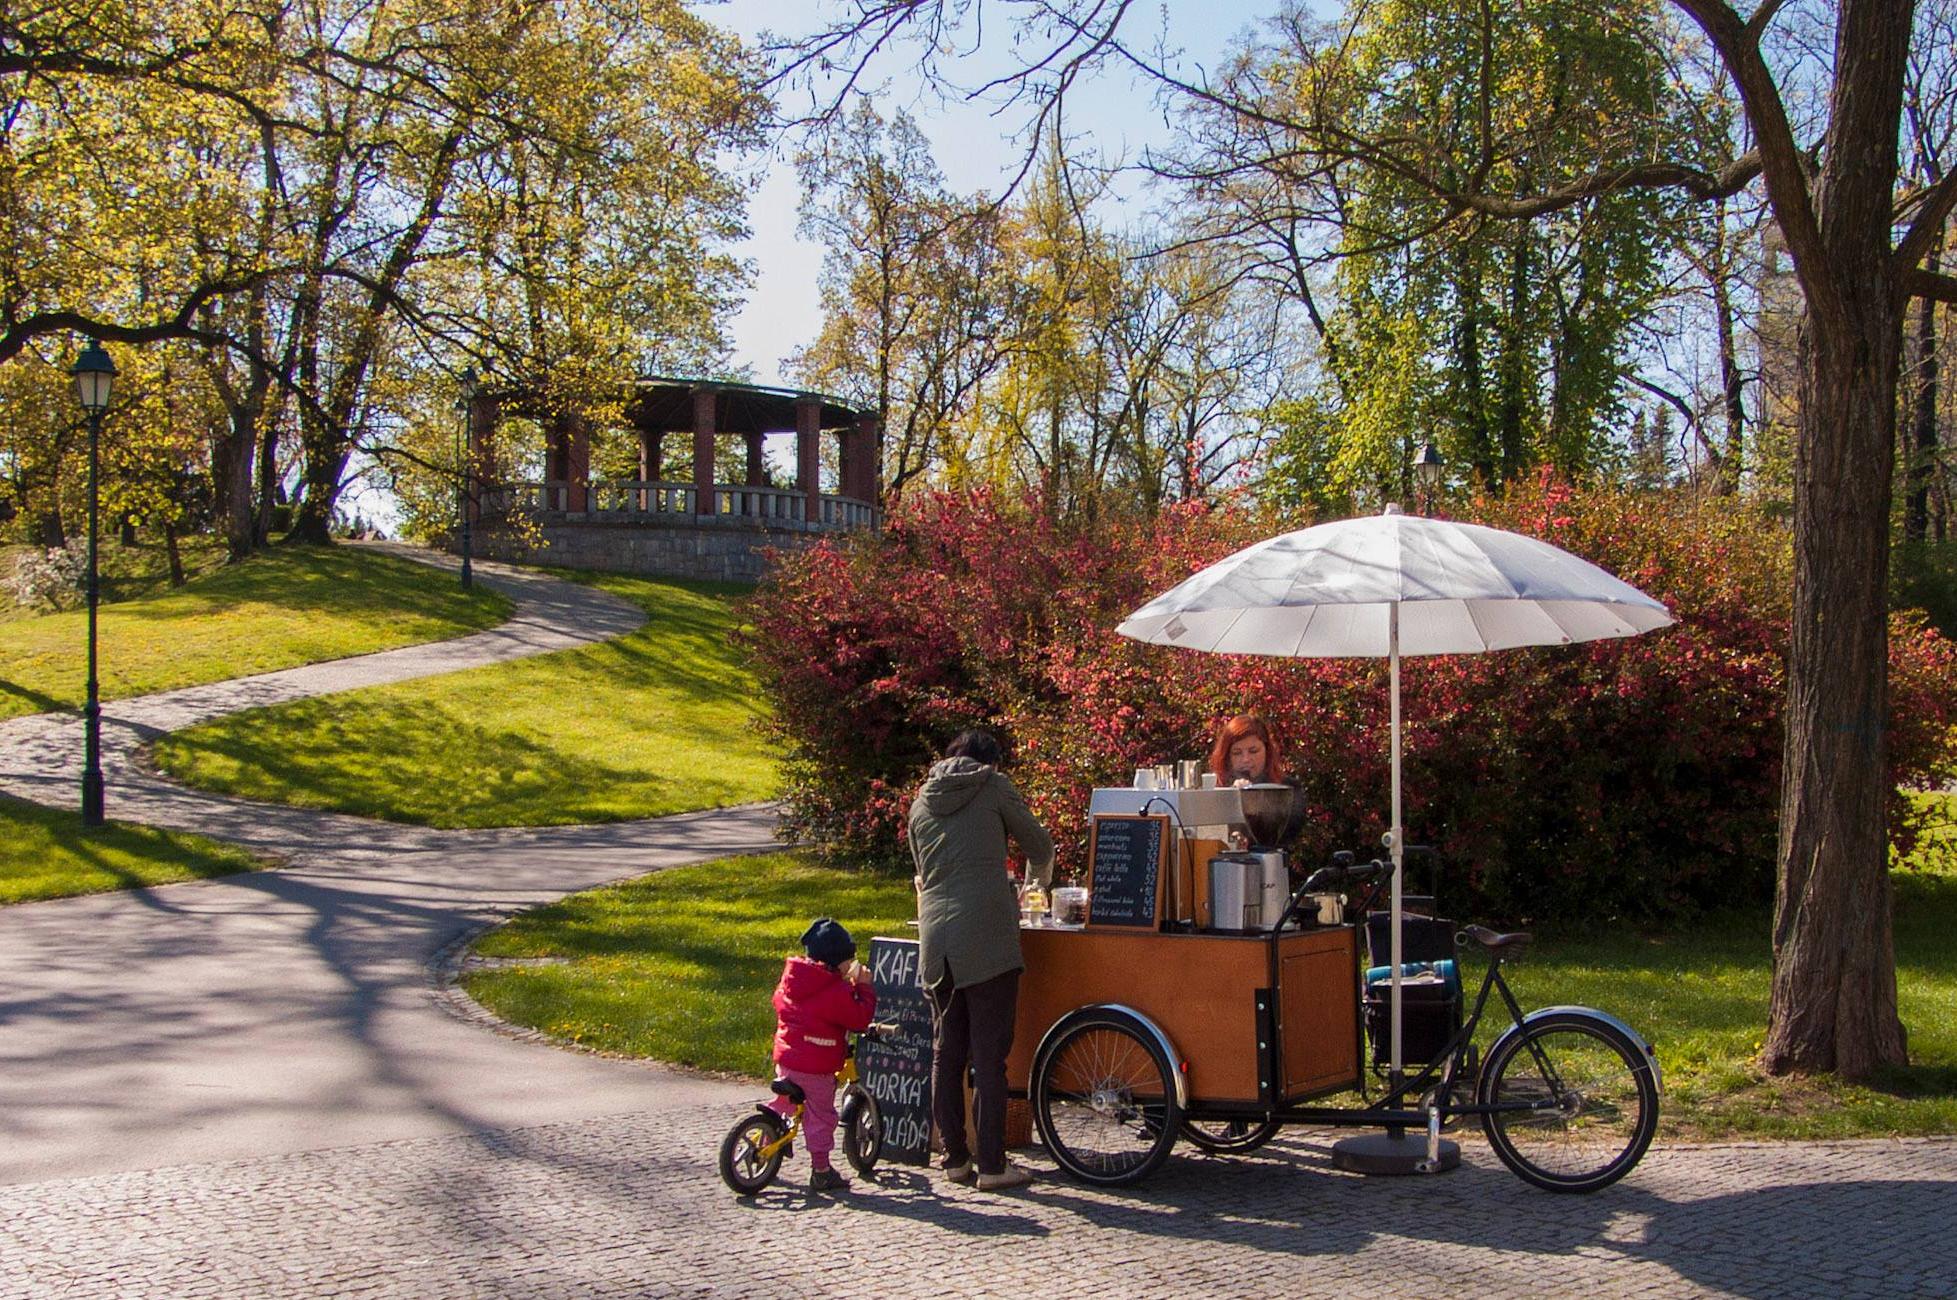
(1395, 1153)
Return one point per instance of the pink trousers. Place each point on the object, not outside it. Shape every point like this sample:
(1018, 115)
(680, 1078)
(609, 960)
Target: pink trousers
(819, 1121)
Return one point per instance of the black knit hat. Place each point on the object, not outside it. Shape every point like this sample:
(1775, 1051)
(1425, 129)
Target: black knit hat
(827, 942)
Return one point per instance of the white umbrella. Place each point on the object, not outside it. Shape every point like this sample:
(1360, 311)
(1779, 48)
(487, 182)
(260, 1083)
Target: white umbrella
(1390, 585)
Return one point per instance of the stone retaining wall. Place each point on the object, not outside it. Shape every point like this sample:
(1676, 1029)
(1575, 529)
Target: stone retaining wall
(725, 552)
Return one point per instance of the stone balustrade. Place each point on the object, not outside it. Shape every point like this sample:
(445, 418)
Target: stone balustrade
(676, 504)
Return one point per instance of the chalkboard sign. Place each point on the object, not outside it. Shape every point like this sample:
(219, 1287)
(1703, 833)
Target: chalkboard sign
(896, 1069)
(1126, 857)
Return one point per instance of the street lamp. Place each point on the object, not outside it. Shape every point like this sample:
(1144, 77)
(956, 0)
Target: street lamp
(468, 385)
(95, 375)
(1427, 467)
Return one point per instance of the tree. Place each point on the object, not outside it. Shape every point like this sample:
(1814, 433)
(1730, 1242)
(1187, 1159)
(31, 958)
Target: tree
(1834, 993)
(914, 287)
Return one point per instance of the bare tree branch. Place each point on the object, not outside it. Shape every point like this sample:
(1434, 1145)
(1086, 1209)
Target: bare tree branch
(1937, 203)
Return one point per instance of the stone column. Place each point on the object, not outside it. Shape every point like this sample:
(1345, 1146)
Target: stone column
(706, 403)
(808, 456)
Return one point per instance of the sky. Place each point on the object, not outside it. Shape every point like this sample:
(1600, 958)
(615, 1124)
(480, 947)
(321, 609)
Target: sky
(970, 142)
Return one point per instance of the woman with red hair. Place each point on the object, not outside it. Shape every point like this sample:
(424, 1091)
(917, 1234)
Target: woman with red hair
(1246, 753)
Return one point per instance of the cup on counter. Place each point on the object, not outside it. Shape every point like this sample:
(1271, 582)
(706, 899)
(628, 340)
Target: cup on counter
(1209, 780)
(1144, 778)
(1165, 776)
(1186, 773)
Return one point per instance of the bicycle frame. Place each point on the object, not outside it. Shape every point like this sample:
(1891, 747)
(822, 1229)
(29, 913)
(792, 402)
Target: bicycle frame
(845, 1080)
(1389, 1110)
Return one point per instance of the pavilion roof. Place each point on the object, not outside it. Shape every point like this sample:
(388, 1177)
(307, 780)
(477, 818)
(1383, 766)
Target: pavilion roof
(666, 403)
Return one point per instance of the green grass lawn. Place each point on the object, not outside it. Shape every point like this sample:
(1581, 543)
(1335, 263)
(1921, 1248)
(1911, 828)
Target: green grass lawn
(45, 853)
(290, 605)
(679, 966)
(657, 722)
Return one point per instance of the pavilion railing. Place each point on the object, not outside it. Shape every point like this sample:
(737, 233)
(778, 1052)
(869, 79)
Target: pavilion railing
(629, 501)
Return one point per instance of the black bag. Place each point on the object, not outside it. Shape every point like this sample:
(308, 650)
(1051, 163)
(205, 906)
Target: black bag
(1430, 1009)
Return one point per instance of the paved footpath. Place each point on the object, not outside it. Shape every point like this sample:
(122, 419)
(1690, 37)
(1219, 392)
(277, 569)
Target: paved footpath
(255, 1087)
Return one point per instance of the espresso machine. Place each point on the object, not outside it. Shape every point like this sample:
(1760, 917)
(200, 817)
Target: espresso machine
(1250, 888)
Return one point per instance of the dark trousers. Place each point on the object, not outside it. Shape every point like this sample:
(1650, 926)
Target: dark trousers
(974, 1028)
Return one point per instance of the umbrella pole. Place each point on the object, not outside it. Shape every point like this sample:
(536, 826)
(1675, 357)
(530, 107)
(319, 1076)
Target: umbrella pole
(1395, 1151)
(1399, 854)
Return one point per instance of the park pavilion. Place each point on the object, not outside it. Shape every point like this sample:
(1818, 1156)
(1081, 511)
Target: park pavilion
(666, 523)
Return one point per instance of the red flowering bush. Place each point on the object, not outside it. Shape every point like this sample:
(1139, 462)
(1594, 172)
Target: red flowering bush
(1616, 778)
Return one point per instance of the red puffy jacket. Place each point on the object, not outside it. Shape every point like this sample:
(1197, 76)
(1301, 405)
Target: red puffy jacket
(815, 1008)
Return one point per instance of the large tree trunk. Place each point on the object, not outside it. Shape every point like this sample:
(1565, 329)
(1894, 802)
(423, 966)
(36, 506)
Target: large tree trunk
(231, 465)
(1834, 981)
(325, 464)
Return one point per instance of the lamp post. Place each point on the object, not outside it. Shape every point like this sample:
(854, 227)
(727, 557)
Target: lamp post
(1427, 467)
(465, 452)
(95, 374)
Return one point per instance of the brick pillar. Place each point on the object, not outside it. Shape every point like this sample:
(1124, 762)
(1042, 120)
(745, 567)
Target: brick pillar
(578, 463)
(870, 477)
(706, 402)
(485, 412)
(808, 456)
(862, 457)
(652, 446)
(569, 461)
(757, 467)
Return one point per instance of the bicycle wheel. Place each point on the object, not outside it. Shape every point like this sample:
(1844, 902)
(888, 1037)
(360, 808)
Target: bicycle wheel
(742, 1166)
(862, 1130)
(1105, 1101)
(1230, 1137)
(1592, 1102)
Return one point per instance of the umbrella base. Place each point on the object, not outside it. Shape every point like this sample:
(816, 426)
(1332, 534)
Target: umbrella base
(1388, 1153)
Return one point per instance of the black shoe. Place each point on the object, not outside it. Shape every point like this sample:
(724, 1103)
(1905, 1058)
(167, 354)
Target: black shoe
(827, 1180)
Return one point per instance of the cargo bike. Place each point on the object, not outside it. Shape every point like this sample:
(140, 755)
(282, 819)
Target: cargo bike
(1130, 1039)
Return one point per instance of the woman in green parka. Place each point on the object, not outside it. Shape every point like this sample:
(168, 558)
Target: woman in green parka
(968, 930)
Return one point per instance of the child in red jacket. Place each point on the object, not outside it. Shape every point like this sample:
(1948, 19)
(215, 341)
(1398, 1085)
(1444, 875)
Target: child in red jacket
(818, 1003)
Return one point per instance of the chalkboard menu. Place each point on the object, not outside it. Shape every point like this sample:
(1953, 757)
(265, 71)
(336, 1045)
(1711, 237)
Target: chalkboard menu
(1126, 856)
(896, 1069)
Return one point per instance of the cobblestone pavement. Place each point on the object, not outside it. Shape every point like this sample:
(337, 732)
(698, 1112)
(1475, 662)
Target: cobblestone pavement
(630, 1205)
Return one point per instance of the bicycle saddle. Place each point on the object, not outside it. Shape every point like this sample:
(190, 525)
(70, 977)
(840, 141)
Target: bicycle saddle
(790, 1089)
(1493, 942)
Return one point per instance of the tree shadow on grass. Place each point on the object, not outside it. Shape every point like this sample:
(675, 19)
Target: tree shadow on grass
(12, 693)
(388, 771)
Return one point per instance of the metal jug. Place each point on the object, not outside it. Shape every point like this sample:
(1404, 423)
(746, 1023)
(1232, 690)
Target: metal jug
(1236, 891)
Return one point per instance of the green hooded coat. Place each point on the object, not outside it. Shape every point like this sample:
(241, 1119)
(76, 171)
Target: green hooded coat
(968, 915)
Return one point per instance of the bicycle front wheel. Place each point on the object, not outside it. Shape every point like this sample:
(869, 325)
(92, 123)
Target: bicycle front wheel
(862, 1130)
(1580, 1102)
(1105, 1101)
(743, 1167)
